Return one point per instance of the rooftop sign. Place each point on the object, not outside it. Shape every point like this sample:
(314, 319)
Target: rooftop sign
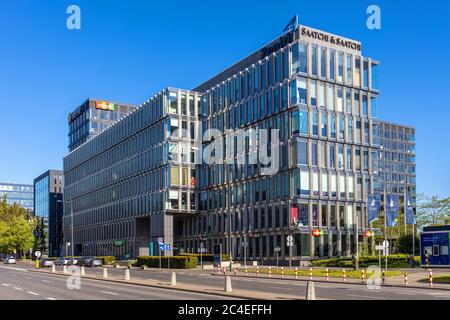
(329, 38)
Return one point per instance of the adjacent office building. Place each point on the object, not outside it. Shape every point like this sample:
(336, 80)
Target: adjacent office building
(142, 178)
(397, 171)
(48, 204)
(92, 117)
(21, 194)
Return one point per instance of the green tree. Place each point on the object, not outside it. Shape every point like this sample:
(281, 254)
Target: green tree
(40, 240)
(16, 231)
(432, 210)
(404, 244)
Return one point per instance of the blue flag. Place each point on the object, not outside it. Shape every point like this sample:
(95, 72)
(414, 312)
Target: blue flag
(373, 206)
(391, 204)
(409, 210)
(292, 24)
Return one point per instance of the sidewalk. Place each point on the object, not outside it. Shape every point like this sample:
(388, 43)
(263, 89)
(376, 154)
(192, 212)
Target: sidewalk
(216, 290)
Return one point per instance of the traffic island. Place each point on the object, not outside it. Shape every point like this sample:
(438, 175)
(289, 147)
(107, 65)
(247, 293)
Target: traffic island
(210, 290)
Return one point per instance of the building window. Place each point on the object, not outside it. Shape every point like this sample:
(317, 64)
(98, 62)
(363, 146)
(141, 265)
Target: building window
(304, 121)
(323, 62)
(332, 64)
(314, 60)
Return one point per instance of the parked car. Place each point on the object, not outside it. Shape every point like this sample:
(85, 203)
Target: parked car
(61, 261)
(73, 262)
(90, 262)
(46, 263)
(9, 260)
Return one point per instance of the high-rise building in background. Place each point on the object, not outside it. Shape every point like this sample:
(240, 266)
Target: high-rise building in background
(48, 206)
(397, 171)
(21, 194)
(92, 117)
(141, 179)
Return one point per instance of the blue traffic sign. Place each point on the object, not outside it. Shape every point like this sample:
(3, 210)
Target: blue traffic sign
(164, 247)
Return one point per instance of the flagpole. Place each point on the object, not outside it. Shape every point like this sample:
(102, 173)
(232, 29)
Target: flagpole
(385, 227)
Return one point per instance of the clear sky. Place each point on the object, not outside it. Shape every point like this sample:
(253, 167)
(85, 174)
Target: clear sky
(126, 51)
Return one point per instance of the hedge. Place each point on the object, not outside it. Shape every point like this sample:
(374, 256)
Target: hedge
(176, 262)
(107, 260)
(394, 261)
(208, 257)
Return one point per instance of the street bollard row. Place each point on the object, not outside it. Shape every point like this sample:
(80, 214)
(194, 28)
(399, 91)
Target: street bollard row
(343, 274)
(430, 278)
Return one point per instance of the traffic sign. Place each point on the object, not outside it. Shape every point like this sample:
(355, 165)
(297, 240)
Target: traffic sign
(379, 248)
(244, 244)
(277, 249)
(160, 240)
(385, 244)
(37, 254)
(164, 247)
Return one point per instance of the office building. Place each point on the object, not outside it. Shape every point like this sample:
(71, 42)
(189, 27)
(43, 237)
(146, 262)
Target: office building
(92, 117)
(140, 180)
(397, 171)
(21, 194)
(48, 204)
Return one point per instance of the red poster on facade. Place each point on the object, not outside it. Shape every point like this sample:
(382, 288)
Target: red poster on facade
(294, 215)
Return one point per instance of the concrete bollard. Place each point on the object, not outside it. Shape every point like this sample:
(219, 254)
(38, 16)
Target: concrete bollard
(234, 270)
(282, 272)
(82, 271)
(270, 271)
(295, 272)
(310, 291)
(64, 269)
(173, 279)
(343, 274)
(310, 273)
(327, 274)
(430, 278)
(127, 274)
(218, 269)
(224, 270)
(105, 273)
(406, 278)
(116, 266)
(53, 268)
(144, 267)
(245, 270)
(257, 271)
(228, 284)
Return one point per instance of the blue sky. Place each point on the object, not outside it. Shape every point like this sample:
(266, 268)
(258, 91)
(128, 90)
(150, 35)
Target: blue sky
(127, 51)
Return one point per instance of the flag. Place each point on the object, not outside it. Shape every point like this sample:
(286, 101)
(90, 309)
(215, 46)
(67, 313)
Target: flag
(391, 209)
(294, 215)
(409, 210)
(292, 24)
(373, 206)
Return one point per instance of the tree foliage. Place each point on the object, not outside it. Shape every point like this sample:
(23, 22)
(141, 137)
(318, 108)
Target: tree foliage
(16, 232)
(405, 245)
(432, 211)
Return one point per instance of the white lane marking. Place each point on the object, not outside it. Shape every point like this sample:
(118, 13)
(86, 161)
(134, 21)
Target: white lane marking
(4, 284)
(12, 268)
(49, 298)
(407, 293)
(33, 293)
(111, 293)
(19, 289)
(362, 296)
(46, 281)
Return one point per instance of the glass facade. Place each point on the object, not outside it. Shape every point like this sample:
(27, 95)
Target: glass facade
(21, 194)
(91, 118)
(144, 177)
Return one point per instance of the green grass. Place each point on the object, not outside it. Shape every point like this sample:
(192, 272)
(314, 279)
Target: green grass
(321, 273)
(440, 279)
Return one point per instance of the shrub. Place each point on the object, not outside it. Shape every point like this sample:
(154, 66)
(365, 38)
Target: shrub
(176, 262)
(207, 257)
(394, 261)
(107, 260)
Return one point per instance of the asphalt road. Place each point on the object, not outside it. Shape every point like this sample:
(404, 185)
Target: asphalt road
(16, 283)
(52, 286)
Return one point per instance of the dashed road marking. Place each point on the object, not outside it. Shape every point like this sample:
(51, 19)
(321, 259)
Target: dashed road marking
(33, 293)
(111, 293)
(5, 284)
(19, 289)
(49, 298)
(46, 281)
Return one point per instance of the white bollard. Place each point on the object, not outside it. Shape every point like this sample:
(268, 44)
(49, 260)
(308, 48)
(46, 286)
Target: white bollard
(228, 284)
(310, 291)
(82, 271)
(53, 268)
(105, 273)
(173, 279)
(127, 274)
(64, 269)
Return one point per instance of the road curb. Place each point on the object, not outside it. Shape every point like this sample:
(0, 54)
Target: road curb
(335, 282)
(153, 286)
